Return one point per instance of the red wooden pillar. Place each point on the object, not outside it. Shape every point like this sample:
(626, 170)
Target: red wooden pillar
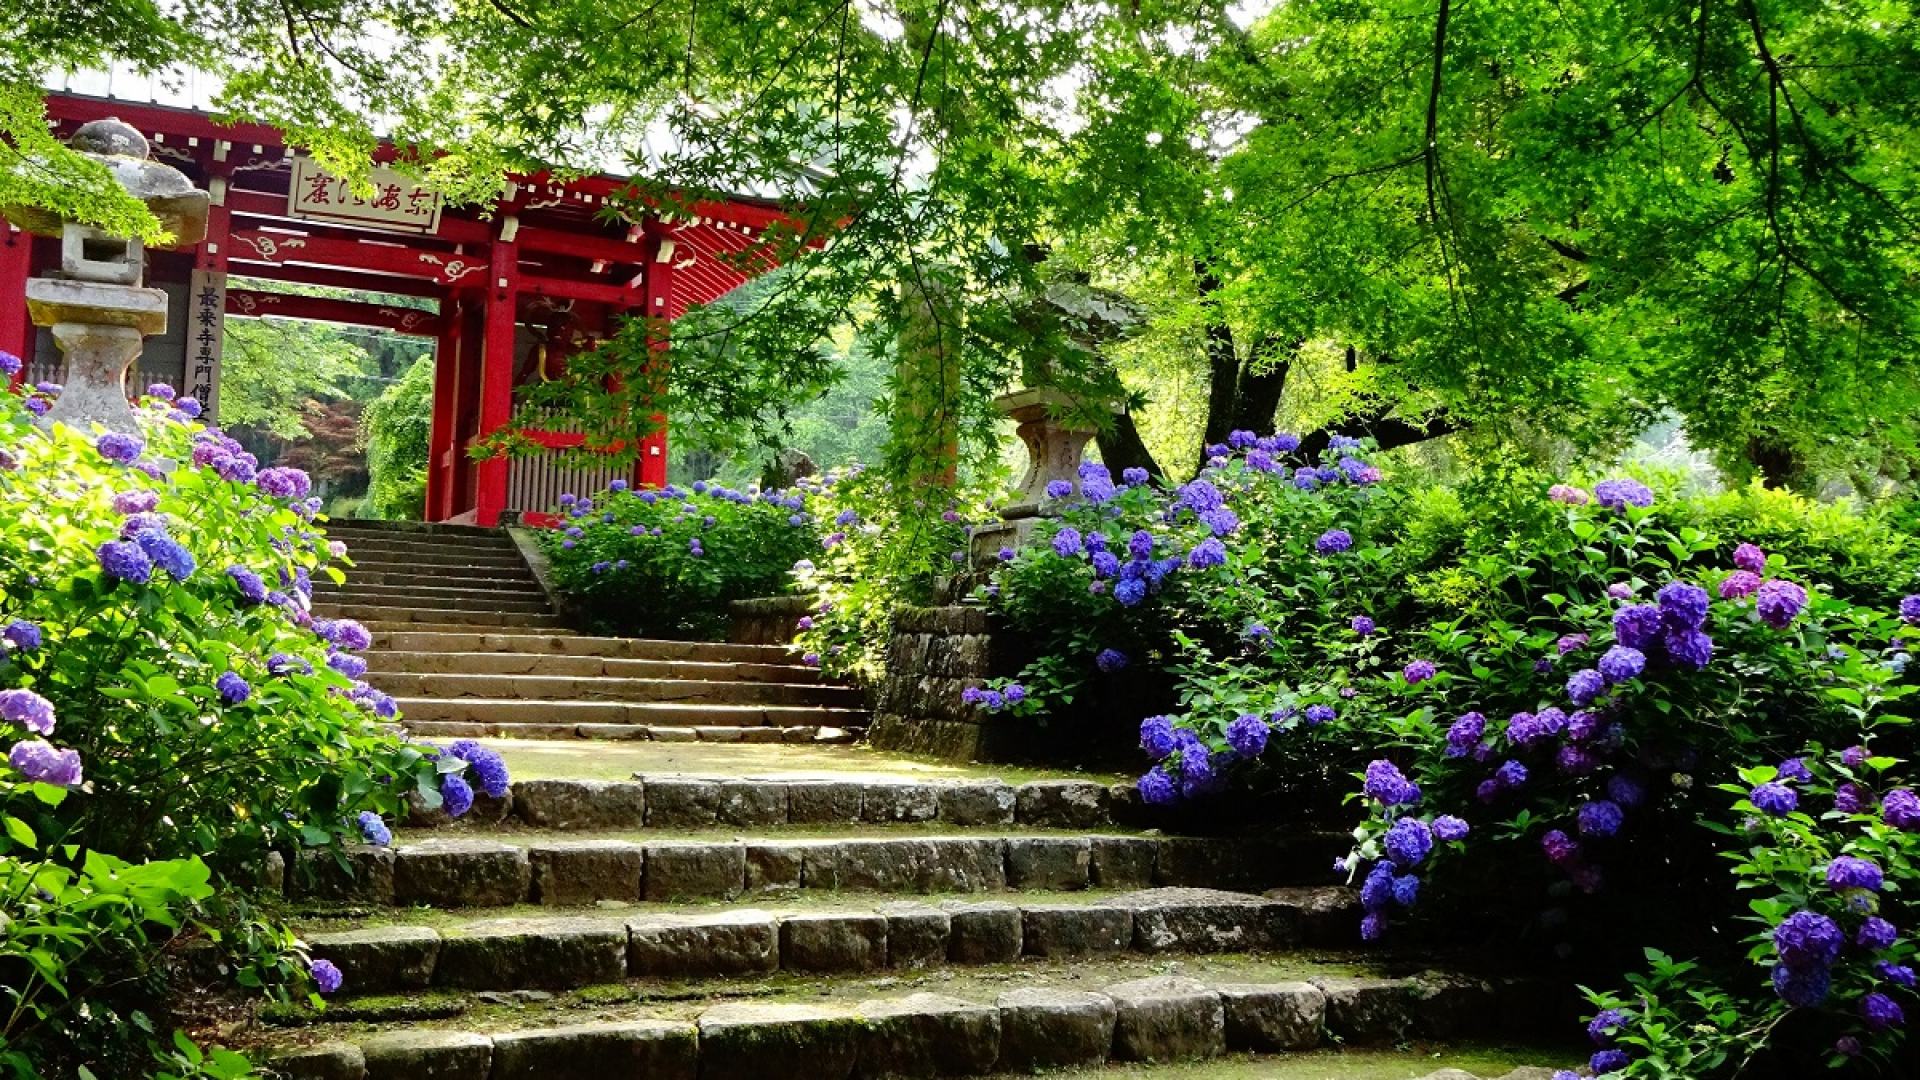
(442, 437)
(16, 329)
(651, 470)
(496, 369)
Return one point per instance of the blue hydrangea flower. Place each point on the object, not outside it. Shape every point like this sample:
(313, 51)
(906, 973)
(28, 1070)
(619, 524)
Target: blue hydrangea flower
(1808, 939)
(1600, 818)
(1130, 592)
(1848, 872)
(1585, 686)
(1110, 660)
(119, 447)
(1910, 609)
(1318, 714)
(373, 829)
(1898, 974)
(1362, 625)
(1408, 841)
(1637, 626)
(1406, 890)
(1881, 1012)
(487, 766)
(1419, 671)
(1465, 733)
(1376, 891)
(167, 553)
(1333, 541)
(1622, 664)
(1689, 647)
(1776, 799)
(326, 977)
(1134, 477)
(1877, 934)
(252, 589)
(233, 689)
(1059, 489)
(456, 795)
(22, 635)
(1795, 769)
(1620, 494)
(125, 560)
(1207, 553)
(1682, 604)
(1014, 693)
(28, 710)
(284, 664)
(1247, 735)
(1067, 542)
(1105, 564)
(1801, 988)
(1449, 829)
(1510, 775)
(1157, 788)
(1385, 784)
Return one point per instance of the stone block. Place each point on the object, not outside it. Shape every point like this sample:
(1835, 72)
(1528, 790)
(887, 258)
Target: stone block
(486, 810)
(1271, 1017)
(761, 734)
(664, 733)
(1448, 1006)
(356, 874)
(1329, 915)
(694, 871)
(824, 802)
(1066, 930)
(1369, 1012)
(582, 871)
(1062, 804)
(381, 959)
(934, 864)
(1054, 1029)
(427, 1055)
(680, 803)
(833, 941)
(654, 1049)
(1207, 920)
(744, 942)
(461, 873)
(323, 1061)
(976, 802)
(927, 1035)
(581, 804)
(1124, 862)
(895, 803)
(717, 733)
(985, 933)
(774, 868)
(743, 1041)
(753, 802)
(545, 954)
(1050, 863)
(1167, 1018)
(916, 935)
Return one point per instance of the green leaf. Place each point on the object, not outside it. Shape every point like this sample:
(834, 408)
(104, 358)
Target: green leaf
(20, 832)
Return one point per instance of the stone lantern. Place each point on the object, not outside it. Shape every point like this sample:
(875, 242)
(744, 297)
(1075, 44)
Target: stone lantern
(95, 304)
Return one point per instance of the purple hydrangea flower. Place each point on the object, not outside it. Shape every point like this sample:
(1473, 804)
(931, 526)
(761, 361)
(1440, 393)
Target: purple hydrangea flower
(1910, 609)
(1853, 756)
(284, 664)
(1449, 829)
(1066, 542)
(1585, 686)
(1386, 784)
(38, 761)
(1750, 558)
(1465, 733)
(1110, 660)
(1333, 541)
(188, 407)
(1320, 714)
(233, 689)
(22, 635)
(1683, 604)
(456, 795)
(1419, 671)
(283, 483)
(167, 553)
(1570, 642)
(1881, 1012)
(1622, 664)
(1620, 590)
(1637, 626)
(1776, 799)
(326, 977)
(1362, 625)
(119, 447)
(1738, 584)
(125, 560)
(1157, 788)
(1408, 841)
(1898, 974)
(1808, 939)
(1876, 934)
(1901, 809)
(1625, 790)
(373, 829)
(1134, 477)
(1795, 769)
(1779, 602)
(344, 634)
(1105, 564)
(1156, 736)
(1567, 494)
(1689, 647)
(1059, 489)
(1510, 775)
(1604, 1025)
(347, 664)
(1247, 735)
(1801, 988)
(1620, 494)
(1207, 553)
(1851, 798)
(1014, 693)
(1848, 872)
(252, 589)
(1560, 848)
(138, 501)
(1600, 818)
(487, 767)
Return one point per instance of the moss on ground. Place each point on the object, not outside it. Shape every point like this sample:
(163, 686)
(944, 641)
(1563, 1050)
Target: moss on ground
(586, 759)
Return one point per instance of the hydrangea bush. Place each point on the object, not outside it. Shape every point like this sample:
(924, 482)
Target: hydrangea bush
(173, 712)
(666, 563)
(1539, 689)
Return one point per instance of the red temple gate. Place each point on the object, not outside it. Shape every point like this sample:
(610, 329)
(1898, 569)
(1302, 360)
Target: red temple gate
(541, 273)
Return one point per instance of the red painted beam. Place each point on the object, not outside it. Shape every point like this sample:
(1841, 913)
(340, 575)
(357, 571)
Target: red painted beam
(189, 123)
(404, 320)
(581, 245)
(273, 205)
(342, 279)
(282, 248)
(564, 289)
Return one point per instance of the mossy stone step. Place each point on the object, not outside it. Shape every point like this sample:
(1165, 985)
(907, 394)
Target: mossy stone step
(385, 613)
(566, 643)
(580, 667)
(545, 687)
(575, 719)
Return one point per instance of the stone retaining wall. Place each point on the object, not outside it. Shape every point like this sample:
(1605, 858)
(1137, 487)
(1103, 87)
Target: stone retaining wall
(933, 655)
(1161, 1019)
(767, 620)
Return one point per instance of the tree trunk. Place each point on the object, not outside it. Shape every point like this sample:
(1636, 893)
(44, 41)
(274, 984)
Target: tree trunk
(1223, 364)
(1386, 432)
(1258, 397)
(1779, 466)
(1121, 447)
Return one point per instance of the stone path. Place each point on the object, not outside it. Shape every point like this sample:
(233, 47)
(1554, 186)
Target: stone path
(773, 910)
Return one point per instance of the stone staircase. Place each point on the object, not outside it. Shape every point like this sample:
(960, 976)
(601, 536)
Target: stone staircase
(850, 926)
(468, 644)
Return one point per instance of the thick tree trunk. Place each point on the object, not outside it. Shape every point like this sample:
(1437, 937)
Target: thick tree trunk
(1223, 364)
(1263, 382)
(1122, 448)
(1779, 466)
(1387, 432)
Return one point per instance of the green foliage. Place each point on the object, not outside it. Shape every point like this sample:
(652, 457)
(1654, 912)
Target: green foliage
(273, 367)
(397, 428)
(185, 788)
(666, 563)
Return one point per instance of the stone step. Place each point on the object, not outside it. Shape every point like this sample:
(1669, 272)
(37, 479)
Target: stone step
(384, 613)
(843, 730)
(507, 712)
(513, 868)
(386, 570)
(861, 1027)
(406, 529)
(559, 953)
(679, 801)
(412, 579)
(543, 663)
(562, 688)
(544, 642)
(388, 557)
(482, 600)
(381, 627)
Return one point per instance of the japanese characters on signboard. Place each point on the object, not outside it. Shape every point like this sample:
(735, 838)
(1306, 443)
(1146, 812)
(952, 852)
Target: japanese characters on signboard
(396, 203)
(206, 334)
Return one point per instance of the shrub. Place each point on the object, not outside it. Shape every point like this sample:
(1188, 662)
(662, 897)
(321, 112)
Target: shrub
(666, 563)
(177, 713)
(396, 429)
